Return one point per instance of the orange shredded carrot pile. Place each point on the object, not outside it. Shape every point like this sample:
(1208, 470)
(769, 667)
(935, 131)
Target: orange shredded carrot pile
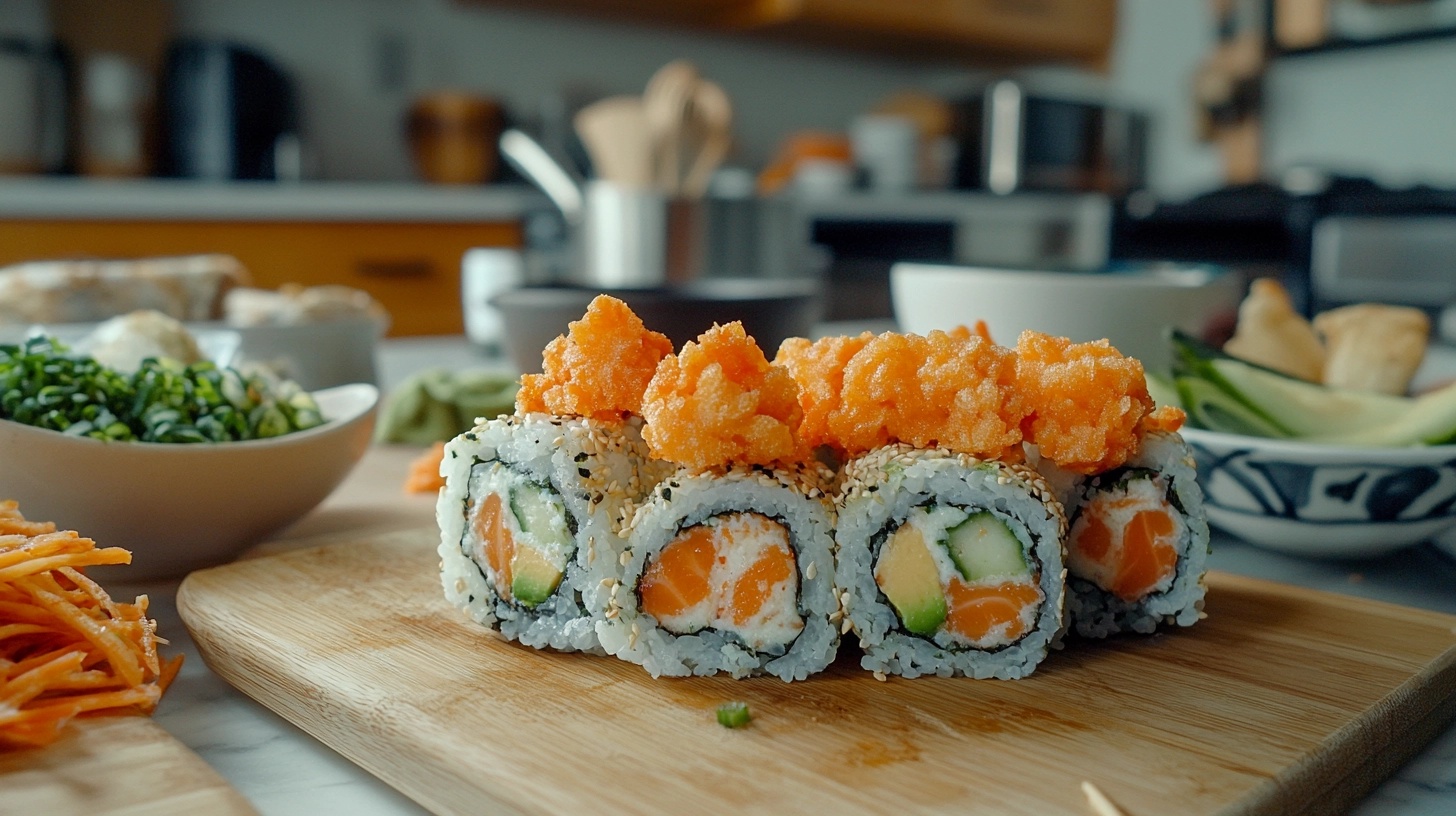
(66, 648)
(424, 472)
(720, 401)
(1087, 401)
(818, 367)
(949, 390)
(599, 368)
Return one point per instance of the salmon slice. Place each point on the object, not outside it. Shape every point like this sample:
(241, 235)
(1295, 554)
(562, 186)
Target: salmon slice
(1126, 544)
(499, 544)
(1148, 554)
(680, 577)
(976, 610)
(753, 588)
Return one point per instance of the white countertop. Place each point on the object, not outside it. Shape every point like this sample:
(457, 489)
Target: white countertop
(178, 199)
(283, 771)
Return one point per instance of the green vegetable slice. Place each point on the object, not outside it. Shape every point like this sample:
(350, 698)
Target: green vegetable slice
(733, 715)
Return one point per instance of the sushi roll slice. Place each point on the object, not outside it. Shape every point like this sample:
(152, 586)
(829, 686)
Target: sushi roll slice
(1137, 549)
(533, 503)
(730, 564)
(529, 520)
(949, 565)
(1138, 539)
(729, 571)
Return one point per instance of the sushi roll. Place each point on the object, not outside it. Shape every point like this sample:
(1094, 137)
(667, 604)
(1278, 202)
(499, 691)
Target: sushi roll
(1137, 544)
(1137, 547)
(731, 572)
(949, 565)
(730, 561)
(529, 521)
(533, 504)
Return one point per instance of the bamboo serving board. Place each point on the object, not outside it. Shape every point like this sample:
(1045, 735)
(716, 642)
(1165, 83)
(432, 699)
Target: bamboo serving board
(1283, 701)
(110, 766)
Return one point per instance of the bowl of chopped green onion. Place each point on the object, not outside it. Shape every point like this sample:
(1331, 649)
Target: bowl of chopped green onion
(184, 465)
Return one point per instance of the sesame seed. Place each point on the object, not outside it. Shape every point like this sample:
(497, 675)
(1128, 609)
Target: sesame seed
(626, 556)
(880, 676)
(811, 570)
(612, 613)
(459, 584)
(846, 626)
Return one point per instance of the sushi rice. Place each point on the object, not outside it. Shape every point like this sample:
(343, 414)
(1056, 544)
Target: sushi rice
(792, 645)
(899, 487)
(571, 482)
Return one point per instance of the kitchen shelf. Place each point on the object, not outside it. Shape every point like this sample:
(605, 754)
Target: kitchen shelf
(1343, 44)
(963, 31)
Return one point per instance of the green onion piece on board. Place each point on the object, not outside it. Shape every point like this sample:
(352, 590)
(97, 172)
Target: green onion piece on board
(733, 715)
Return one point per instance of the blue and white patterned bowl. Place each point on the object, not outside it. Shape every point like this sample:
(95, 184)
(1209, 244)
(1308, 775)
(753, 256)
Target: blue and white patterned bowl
(1324, 501)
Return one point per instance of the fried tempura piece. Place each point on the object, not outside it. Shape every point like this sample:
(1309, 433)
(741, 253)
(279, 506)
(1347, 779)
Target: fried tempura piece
(1271, 334)
(1372, 347)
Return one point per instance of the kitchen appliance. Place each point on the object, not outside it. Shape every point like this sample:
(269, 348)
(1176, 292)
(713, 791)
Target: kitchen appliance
(227, 113)
(1331, 240)
(33, 108)
(1012, 137)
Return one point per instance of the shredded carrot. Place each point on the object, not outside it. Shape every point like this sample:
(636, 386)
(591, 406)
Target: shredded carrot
(424, 472)
(66, 648)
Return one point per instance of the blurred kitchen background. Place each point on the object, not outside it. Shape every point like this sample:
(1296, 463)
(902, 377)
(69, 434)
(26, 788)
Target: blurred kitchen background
(355, 142)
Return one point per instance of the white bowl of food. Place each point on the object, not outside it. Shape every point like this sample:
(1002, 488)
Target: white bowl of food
(180, 506)
(1132, 308)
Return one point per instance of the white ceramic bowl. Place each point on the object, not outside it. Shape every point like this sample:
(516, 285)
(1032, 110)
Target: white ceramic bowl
(178, 507)
(1132, 308)
(1324, 501)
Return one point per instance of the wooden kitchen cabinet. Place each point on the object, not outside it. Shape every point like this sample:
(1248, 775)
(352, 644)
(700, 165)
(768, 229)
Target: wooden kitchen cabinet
(411, 268)
(968, 31)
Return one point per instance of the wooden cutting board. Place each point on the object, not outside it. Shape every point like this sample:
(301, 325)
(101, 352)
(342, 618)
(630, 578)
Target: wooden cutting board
(1284, 701)
(110, 766)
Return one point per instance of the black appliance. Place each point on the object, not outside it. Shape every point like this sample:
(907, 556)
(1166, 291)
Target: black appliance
(1013, 138)
(227, 113)
(1330, 239)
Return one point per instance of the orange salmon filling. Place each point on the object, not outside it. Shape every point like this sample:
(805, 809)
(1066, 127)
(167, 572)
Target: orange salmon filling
(720, 401)
(977, 611)
(1087, 402)
(599, 368)
(500, 545)
(736, 572)
(1125, 543)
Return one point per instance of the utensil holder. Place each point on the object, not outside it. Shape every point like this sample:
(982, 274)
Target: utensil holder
(635, 238)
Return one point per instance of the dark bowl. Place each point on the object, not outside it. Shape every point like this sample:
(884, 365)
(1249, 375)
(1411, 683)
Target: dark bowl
(770, 310)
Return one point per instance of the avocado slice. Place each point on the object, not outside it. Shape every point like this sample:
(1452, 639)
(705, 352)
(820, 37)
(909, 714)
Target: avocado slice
(533, 576)
(983, 546)
(1222, 393)
(908, 577)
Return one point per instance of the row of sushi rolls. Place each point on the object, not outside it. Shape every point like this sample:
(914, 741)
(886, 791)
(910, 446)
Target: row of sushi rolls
(957, 506)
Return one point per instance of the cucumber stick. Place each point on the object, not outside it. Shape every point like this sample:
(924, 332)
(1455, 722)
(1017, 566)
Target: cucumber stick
(1222, 393)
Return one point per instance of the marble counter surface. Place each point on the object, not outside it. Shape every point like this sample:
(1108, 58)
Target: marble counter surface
(283, 771)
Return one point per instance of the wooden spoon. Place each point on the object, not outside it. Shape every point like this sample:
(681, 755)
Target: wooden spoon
(616, 135)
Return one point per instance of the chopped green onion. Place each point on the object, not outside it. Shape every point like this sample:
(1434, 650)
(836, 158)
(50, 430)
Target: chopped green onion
(733, 715)
(43, 384)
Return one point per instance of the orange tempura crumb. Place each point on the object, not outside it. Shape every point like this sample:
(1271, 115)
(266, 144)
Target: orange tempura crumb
(1087, 401)
(424, 472)
(720, 401)
(598, 369)
(1166, 418)
(818, 367)
(963, 332)
(931, 391)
